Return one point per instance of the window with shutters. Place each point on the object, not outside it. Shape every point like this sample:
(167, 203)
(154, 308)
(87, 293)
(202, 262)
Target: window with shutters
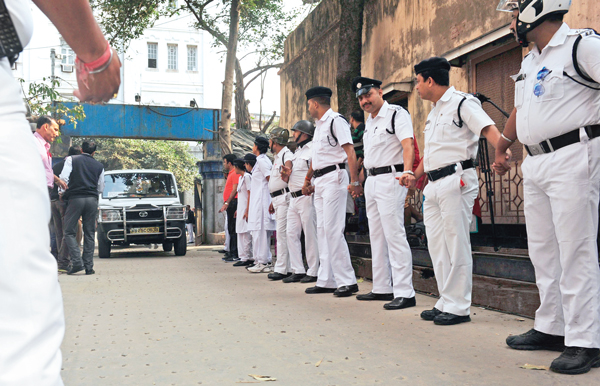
(152, 55)
(172, 56)
(68, 56)
(192, 58)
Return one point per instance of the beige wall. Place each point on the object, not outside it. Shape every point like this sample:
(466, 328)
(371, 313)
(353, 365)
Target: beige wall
(310, 60)
(397, 34)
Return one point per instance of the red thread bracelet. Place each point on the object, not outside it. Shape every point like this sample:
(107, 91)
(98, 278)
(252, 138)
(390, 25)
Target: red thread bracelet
(96, 64)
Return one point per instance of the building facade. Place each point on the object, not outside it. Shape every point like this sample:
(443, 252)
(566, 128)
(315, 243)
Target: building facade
(164, 67)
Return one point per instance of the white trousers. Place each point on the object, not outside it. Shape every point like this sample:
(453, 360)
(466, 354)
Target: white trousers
(32, 323)
(227, 237)
(561, 210)
(447, 215)
(391, 255)
(244, 245)
(335, 268)
(261, 248)
(302, 216)
(281, 204)
(190, 232)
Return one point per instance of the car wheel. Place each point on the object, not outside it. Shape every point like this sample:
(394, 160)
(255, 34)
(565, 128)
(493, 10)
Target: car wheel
(103, 246)
(180, 245)
(167, 246)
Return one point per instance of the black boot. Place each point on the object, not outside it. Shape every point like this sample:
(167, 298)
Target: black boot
(576, 360)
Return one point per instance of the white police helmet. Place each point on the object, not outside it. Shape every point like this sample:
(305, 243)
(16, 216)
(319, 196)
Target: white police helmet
(532, 13)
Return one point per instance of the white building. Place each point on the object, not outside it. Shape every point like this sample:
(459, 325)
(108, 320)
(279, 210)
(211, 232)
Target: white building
(164, 66)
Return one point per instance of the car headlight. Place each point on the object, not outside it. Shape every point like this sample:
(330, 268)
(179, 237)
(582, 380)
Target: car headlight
(176, 213)
(107, 215)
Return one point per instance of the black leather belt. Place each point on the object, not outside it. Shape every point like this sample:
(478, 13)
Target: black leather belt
(385, 170)
(446, 171)
(321, 172)
(561, 141)
(297, 194)
(279, 192)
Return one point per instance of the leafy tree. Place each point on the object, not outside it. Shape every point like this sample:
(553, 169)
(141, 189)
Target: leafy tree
(43, 99)
(173, 156)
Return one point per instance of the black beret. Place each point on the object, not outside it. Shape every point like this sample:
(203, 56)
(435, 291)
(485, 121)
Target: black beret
(249, 157)
(261, 141)
(318, 91)
(362, 85)
(434, 63)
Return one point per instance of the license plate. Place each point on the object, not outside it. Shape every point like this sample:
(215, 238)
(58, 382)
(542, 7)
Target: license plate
(144, 230)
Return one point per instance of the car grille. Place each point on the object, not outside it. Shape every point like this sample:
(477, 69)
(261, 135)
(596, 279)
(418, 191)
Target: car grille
(144, 214)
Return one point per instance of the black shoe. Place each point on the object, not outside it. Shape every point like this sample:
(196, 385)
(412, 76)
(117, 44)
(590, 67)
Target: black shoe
(242, 263)
(295, 278)
(73, 270)
(448, 319)
(278, 276)
(89, 272)
(536, 340)
(319, 290)
(308, 279)
(346, 290)
(400, 303)
(231, 259)
(222, 251)
(374, 296)
(576, 360)
(430, 314)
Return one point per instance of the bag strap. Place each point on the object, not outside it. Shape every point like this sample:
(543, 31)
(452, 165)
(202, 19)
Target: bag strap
(393, 123)
(460, 120)
(331, 131)
(574, 56)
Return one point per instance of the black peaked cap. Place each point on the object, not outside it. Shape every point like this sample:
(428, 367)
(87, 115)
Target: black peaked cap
(430, 64)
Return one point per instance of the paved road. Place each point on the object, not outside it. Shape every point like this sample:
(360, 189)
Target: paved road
(150, 318)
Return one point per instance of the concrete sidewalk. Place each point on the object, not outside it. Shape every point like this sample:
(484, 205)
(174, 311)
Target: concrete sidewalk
(150, 318)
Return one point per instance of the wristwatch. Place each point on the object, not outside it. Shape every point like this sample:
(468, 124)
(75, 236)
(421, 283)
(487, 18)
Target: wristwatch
(355, 183)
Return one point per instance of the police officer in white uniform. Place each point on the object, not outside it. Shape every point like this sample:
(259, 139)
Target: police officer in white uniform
(332, 148)
(260, 221)
(301, 213)
(557, 117)
(451, 143)
(389, 153)
(244, 238)
(32, 317)
(279, 190)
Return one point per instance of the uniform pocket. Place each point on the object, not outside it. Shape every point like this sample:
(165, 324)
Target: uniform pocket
(519, 89)
(552, 87)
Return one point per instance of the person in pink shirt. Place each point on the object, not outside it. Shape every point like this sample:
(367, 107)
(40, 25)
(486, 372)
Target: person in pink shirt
(45, 134)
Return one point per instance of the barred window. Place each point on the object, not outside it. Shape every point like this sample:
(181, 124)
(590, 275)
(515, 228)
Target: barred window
(192, 58)
(172, 56)
(152, 55)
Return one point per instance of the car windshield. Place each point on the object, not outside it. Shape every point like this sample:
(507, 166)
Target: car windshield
(135, 185)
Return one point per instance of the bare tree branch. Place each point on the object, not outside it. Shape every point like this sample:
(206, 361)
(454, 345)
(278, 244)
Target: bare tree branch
(265, 67)
(264, 129)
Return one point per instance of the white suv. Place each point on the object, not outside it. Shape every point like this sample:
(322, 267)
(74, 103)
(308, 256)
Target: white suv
(141, 207)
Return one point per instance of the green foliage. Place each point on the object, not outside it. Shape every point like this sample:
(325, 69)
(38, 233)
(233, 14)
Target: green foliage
(43, 99)
(173, 156)
(125, 20)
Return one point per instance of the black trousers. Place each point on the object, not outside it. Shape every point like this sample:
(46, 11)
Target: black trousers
(87, 209)
(231, 226)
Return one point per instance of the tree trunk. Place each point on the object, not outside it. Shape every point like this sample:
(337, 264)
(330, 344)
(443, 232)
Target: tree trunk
(225, 125)
(242, 115)
(349, 56)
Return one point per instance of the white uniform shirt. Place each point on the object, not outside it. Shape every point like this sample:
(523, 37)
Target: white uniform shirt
(259, 217)
(275, 182)
(241, 225)
(565, 105)
(300, 165)
(20, 14)
(381, 147)
(324, 154)
(445, 142)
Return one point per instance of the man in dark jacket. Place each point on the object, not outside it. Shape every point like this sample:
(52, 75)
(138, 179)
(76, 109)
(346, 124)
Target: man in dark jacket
(58, 207)
(85, 180)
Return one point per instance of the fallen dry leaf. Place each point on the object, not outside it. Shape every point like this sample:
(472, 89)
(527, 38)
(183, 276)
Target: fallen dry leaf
(527, 366)
(360, 280)
(319, 362)
(264, 378)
